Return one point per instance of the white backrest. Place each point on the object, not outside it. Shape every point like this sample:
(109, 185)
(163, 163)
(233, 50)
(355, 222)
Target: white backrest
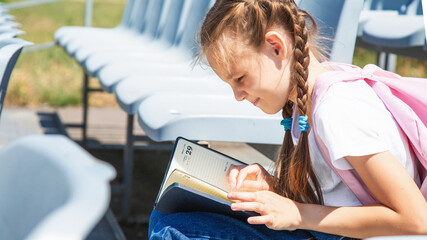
(337, 20)
(51, 188)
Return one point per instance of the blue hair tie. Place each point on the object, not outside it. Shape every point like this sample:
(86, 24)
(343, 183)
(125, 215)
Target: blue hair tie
(303, 124)
(287, 123)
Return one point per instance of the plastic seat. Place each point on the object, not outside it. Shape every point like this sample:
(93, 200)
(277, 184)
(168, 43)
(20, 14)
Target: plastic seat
(71, 38)
(161, 38)
(337, 24)
(165, 116)
(376, 9)
(135, 29)
(111, 76)
(51, 189)
(10, 33)
(10, 49)
(405, 30)
(149, 23)
(395, 32)
(67, 33)
(402, 34)
(132, 91)
(176, 60)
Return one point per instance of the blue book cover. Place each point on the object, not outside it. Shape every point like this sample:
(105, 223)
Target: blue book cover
(196, 181)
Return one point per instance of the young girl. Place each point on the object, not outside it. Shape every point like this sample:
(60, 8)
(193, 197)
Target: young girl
(266, 50)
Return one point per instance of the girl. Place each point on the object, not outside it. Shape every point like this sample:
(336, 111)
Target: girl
(266, 50)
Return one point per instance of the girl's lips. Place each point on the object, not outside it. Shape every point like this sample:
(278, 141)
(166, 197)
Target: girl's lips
(255, 102)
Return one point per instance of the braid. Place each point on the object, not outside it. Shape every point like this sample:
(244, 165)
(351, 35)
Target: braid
(285, 154)
(302, 60)
(300, 168)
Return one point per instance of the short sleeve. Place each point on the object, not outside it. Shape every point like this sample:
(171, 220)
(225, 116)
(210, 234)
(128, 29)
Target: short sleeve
(349, 120)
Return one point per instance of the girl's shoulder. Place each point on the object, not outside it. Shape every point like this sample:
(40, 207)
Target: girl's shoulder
(355, 96)
(343, 87)
(349, 107)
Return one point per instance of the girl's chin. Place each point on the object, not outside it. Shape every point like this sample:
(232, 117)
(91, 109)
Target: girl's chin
(269, 110)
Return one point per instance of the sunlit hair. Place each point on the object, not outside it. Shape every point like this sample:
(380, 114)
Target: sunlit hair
(249, 21)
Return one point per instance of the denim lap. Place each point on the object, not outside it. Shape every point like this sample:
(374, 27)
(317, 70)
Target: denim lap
(203, 225)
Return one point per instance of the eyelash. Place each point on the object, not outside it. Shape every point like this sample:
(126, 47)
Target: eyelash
(239, 79)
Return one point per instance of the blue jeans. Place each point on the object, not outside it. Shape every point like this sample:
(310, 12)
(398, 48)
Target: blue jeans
(203, 225)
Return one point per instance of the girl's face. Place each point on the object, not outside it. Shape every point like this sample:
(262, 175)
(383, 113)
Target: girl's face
(260, 77)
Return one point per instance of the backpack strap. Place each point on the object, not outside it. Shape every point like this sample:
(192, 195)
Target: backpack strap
(353, 182)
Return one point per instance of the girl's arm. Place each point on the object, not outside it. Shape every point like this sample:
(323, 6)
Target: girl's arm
(403, 210)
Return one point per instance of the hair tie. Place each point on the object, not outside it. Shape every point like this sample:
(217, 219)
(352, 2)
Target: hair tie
(303, 124)
(287, 123)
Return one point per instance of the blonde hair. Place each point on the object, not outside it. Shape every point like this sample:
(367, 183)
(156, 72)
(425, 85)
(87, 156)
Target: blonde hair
(250, 20)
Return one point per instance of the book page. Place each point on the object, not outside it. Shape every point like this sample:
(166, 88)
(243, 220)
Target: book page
(202, 163)
(178, 176)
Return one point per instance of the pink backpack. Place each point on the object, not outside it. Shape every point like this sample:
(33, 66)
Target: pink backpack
(405, 98)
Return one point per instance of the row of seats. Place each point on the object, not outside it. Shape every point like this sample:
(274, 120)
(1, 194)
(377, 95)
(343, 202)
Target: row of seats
(146, 62)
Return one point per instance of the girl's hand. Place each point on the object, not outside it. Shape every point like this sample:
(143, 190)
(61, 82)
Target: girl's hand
(277, 212)
(249, 178)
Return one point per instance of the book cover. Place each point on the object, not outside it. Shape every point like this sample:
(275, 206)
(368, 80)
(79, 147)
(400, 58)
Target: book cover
(195, 180)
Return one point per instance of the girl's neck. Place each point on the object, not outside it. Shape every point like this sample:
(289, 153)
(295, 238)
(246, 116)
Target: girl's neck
(315, 69)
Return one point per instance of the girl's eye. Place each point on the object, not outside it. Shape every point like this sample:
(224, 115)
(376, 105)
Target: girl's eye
(239, 79)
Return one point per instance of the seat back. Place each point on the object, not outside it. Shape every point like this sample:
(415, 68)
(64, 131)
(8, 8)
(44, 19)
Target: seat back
(51, 189)
(192, 15)
(338, 21)
(137, 15)
(152, 18)
(168, 26)
(10, 49)
(402, 6)
(127, 13)
(420, 10)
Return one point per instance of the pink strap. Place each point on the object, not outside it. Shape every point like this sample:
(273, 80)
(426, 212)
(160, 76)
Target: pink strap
(348, 177)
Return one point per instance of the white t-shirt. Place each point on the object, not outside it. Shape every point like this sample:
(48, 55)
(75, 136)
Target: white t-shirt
(352, 121)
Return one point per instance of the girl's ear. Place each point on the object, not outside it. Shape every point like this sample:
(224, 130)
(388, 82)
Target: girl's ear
(276, 43)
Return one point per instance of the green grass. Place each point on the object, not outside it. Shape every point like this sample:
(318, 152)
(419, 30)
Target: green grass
(51, 77)
(408, 67)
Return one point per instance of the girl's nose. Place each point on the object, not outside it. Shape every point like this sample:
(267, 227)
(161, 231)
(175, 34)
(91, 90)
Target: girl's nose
(239, 94)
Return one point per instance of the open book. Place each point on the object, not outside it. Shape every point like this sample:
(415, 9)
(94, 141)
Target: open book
(195, 181)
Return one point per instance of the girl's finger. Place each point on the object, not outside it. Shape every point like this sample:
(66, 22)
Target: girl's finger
(263, 219)
(248, 206)
(242, 196)
(232, 177)
(249, 185)
(244, 172)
